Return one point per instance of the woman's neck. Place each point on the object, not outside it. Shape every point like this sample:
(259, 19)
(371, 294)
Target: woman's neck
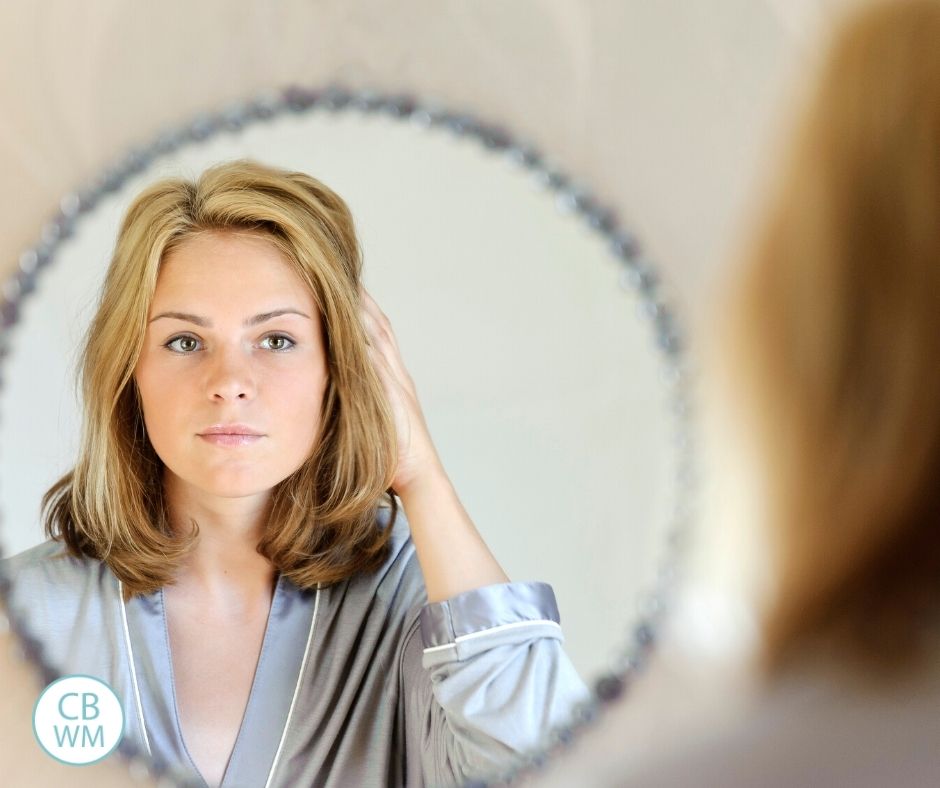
(224, 565)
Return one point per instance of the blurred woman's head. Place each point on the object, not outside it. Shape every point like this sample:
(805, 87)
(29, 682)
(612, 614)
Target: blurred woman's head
(243, 239)
(833, 328)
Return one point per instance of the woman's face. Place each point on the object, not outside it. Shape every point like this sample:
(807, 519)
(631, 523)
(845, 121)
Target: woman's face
(221, 348)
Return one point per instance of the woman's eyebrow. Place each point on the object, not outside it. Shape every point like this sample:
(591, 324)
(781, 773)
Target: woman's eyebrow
(251, 321)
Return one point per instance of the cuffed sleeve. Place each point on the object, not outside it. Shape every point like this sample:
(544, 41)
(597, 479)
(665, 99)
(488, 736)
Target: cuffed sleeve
(486, 678)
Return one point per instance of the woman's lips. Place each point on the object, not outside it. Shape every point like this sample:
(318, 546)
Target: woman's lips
(223, 439)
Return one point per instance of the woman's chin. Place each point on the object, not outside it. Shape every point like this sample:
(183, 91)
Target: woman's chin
(234, 485)
(231, 479)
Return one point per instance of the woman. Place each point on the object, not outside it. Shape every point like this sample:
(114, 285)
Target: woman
(829, 348)
(230, 567)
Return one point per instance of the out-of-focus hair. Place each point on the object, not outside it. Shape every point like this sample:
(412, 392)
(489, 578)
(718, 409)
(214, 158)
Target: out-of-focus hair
(833, 332)
(323, 518)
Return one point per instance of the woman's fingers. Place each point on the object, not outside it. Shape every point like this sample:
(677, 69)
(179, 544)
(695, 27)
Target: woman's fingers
(371, 307)
(379, 328)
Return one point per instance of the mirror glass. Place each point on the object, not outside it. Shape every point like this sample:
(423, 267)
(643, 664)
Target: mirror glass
(535, 361)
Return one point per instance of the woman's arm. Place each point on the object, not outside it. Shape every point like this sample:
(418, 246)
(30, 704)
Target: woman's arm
(484, 676)
(484, 679)
(452, 554)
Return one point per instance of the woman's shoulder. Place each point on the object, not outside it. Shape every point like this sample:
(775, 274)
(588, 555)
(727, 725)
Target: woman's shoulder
(398, 582)
(48, 573)
(69, 604)
(50, 559)
(401, 554)
(400, 538)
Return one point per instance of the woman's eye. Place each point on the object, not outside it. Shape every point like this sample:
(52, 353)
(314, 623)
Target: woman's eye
(282, 338)
(182, 349)
(187, 343)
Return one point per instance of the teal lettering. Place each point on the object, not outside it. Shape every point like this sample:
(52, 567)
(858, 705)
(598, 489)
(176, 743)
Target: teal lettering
(95, 741)
(69, 732)
(92, 705)
(69, 736)
(62, 708)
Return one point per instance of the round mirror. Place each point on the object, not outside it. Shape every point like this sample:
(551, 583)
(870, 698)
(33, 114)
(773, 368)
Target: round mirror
(546, 363)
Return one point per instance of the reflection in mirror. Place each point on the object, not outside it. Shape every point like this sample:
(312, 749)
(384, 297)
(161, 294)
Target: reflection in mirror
(537, 384)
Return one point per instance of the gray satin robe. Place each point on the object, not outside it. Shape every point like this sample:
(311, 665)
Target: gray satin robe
(362, 683)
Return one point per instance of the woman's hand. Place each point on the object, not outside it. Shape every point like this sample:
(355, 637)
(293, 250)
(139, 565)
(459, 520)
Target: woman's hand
(452, 554)
(417, 456)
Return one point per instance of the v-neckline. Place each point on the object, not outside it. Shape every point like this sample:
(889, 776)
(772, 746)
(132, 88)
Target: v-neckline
(251, 692)
(279, 674)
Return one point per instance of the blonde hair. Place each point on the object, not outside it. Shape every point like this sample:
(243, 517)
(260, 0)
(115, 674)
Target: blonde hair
(834, 327)
(322, 526)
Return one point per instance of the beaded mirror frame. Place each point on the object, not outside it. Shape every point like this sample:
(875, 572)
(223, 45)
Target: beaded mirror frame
(638, 274)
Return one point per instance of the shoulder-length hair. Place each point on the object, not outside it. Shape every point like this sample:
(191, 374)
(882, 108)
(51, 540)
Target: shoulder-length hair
(323, 523)
(834, 327)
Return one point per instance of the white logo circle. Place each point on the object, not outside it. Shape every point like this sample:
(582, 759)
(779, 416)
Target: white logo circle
(78, 719)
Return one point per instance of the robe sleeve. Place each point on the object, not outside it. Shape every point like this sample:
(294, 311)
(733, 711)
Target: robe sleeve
(485, 679)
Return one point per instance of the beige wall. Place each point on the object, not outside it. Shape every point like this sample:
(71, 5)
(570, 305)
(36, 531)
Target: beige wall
(663, 108)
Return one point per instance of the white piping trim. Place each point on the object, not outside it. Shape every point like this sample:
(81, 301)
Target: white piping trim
(290, 711)
(130, 651)
(482, 632)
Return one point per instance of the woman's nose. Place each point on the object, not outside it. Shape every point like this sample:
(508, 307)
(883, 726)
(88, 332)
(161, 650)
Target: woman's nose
(231, 373)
